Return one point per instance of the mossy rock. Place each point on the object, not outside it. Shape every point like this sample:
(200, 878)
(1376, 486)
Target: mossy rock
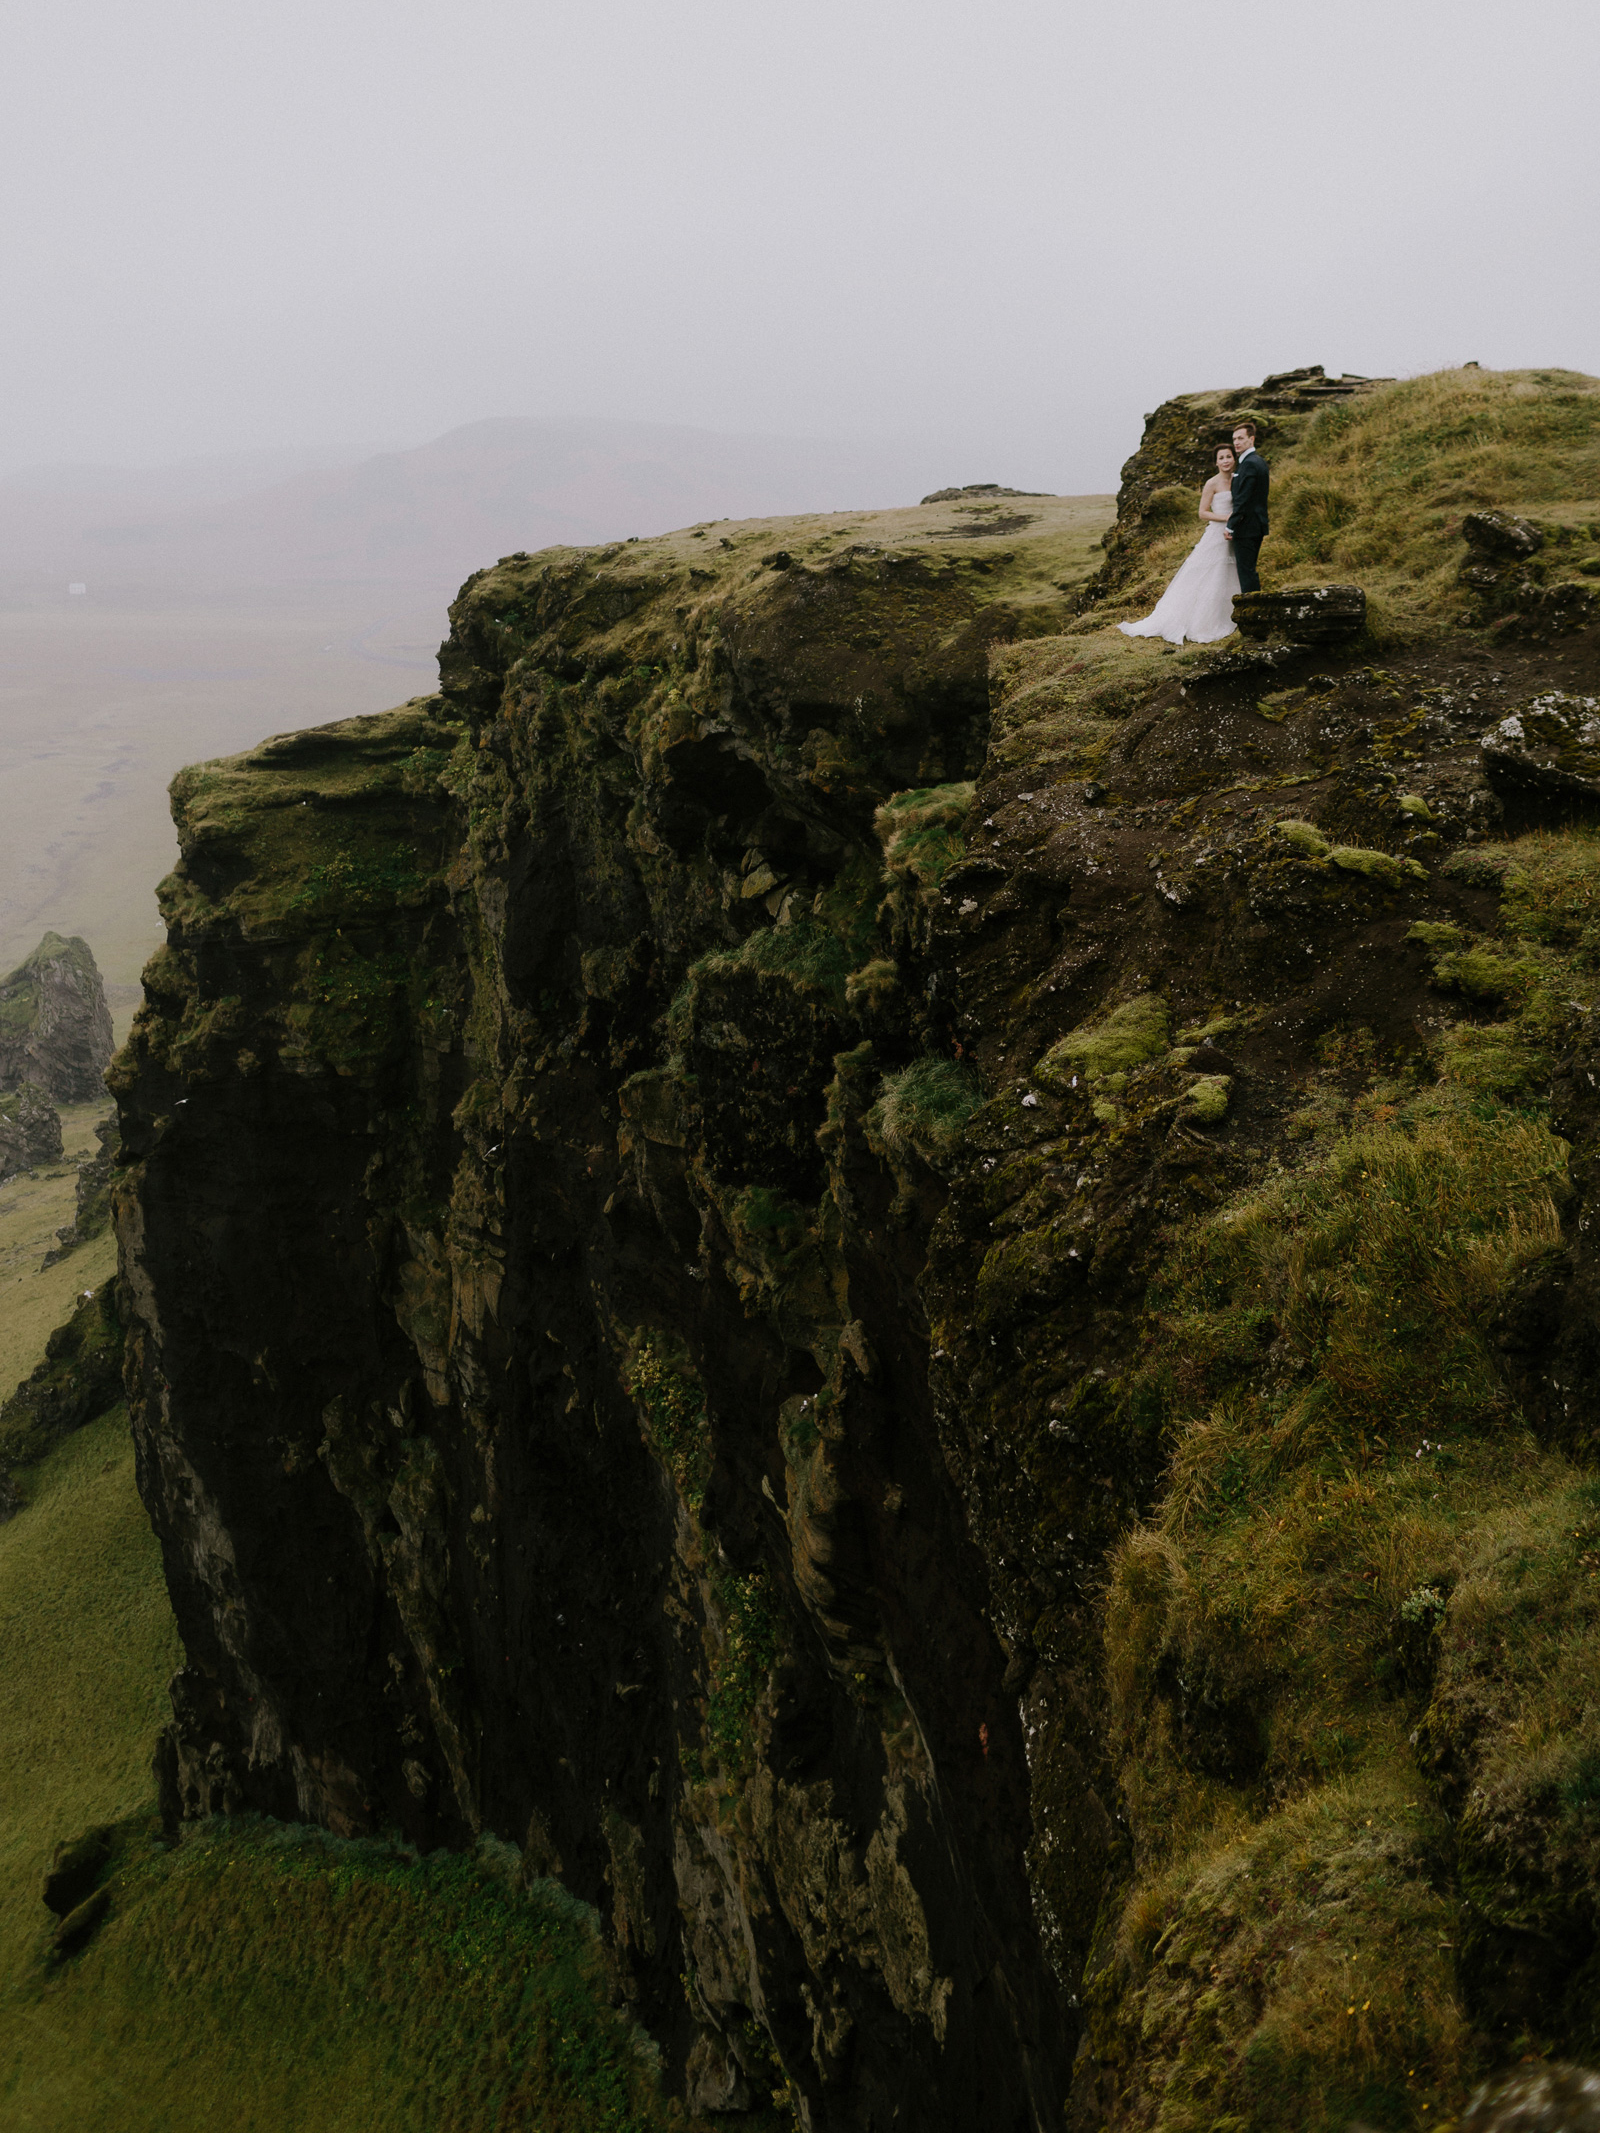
(1131, 1035)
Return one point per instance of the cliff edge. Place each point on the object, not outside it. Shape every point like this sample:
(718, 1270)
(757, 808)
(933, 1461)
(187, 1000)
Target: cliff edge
(879, 1272)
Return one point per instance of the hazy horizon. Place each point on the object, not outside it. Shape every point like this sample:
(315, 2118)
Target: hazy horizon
(303, 231)
(269, 272)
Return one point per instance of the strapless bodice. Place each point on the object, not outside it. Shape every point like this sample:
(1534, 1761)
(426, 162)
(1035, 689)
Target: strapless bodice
(1222, 500)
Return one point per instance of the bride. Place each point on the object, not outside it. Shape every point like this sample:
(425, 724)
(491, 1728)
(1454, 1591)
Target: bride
(1199, 602)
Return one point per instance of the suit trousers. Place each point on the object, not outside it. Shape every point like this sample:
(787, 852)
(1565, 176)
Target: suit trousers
(1246, 550)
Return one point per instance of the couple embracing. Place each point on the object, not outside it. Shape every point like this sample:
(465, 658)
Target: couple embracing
(1198, 604)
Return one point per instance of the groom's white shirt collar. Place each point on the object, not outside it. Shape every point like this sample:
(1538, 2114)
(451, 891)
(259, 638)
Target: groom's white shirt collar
(1245, 454)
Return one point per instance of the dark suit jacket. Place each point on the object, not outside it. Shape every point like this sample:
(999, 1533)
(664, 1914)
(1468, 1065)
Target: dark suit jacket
(1251, 477)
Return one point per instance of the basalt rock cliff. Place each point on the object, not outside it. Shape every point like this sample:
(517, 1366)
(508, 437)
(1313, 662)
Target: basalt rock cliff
(675, 1216)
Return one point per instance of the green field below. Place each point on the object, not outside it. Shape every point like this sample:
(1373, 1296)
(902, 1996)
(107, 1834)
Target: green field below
(255, 1976)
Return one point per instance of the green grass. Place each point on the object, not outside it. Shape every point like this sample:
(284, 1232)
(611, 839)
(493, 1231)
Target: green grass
(1341, 1444)
(259, 1976)
(924, 1108)
(263, 1975)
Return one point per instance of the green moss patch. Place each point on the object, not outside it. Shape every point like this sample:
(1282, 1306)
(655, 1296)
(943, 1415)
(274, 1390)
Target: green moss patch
(744, 1650)
(1130, 1036)
(672, 1411)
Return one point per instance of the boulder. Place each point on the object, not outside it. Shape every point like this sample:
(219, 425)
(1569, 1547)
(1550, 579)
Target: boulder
(30, 1130)
(1550, 745)
(75, 1868)
(77, 1928)
(55, 1027)
(1311, 614)
(714, 2080)
(1501, 534)
(1539, 2099)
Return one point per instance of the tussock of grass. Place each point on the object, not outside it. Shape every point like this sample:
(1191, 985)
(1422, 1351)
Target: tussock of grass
(920, 831)
(923, 834)
(923, 1108)
(873, 984)
(1304, 836)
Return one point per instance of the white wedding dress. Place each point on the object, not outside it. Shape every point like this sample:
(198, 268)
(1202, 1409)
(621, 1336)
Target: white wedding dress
(1198, 604)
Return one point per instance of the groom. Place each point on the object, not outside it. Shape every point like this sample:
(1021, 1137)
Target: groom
(1247, 527)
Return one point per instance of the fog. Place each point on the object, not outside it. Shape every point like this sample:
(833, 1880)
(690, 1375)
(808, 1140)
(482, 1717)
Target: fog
(994, 234)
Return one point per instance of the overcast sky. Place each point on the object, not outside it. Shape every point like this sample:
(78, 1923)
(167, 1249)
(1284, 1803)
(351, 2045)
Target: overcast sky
(232, 224)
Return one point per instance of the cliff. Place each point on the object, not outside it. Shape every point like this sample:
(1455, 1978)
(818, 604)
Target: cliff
(55, 1027)
(878, 1271)
(30, 1130)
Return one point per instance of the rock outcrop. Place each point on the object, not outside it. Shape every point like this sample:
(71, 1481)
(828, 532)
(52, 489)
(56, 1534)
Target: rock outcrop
(55, 1027)
(30, 1130)
(80, 1378)
(653, 1178)
(1548, 746)
(1315, 614)
(92, 1196)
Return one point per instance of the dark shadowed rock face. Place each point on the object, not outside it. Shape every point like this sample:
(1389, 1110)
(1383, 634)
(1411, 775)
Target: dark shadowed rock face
(30, 1130)
(55, 1027)
(529, 1378)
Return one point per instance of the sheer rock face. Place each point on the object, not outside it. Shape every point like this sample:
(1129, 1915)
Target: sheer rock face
(55, 1027)
(528, 1372)
(30, 1130)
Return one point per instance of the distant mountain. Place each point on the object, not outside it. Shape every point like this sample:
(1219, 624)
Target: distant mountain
(433, 513)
